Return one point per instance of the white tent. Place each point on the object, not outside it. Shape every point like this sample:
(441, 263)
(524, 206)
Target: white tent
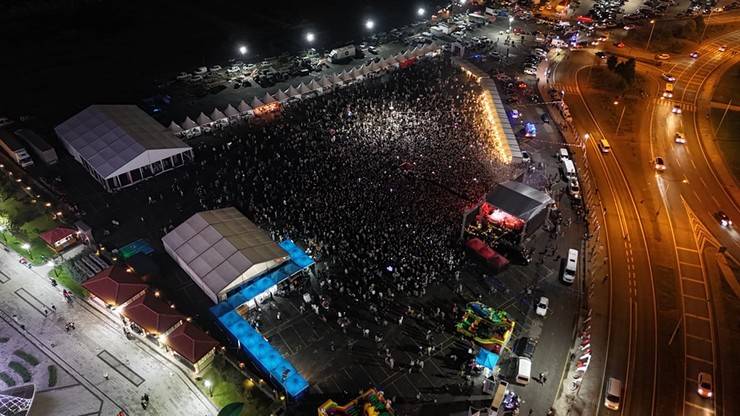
(120, 145)
(203, 120)
(256, 102)
(217, 115)
(292, 92)
(281, 96)
(175, 128)
(267, 99)
(336, 80)
(365, 69)
(188, 124)
(222, 250)
(399, 58)
(303, 89)
(314, 86)
(230, 111)
(244, 107)
(325, 83)
(345, 76)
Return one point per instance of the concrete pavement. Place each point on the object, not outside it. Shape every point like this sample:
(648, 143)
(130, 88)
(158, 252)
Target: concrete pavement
(96, 348)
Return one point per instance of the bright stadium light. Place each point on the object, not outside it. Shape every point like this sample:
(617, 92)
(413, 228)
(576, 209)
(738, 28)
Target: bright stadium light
(369, 24)
(310, 37)
(243, 50)
(421, 11)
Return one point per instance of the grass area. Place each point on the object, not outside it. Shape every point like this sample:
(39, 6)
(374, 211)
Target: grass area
(30, 359)
(52, 375)
(21, 370)
(728, 138)
(230, 386)
(64, 277)
(8, 380)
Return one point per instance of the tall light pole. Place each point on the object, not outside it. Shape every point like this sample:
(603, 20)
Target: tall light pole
(2, 232)
(652, 27)
(310, 37)
(209, 387)
(420, 12)
(511, 20)
(242, 50)
(27, 247)
(619, 123)
(705, 26)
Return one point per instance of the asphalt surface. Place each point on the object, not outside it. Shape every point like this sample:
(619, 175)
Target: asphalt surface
(658, 224)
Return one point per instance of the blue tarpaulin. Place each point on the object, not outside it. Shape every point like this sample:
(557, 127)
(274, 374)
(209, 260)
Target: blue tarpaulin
(252, 342)
(486, 359)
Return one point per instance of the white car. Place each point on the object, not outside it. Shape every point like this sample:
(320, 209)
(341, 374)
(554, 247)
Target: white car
(668, 77)
(525, 157)
(542, 306)
(680, 138)
(659, 164)
(705, 388)
(530, 71)
(677, 109)
(723, 48)
(574, 189)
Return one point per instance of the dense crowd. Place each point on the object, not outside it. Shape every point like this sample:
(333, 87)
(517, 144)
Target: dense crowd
(373, 178)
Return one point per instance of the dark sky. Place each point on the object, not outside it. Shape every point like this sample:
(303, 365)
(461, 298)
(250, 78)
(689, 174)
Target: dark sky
(70, 53)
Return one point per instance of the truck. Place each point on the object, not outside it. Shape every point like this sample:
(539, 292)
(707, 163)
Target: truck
(40, 147)
(14, 148)
(668, 93)
(345, 53)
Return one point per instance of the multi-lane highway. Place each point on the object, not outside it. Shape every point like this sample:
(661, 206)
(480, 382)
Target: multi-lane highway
(663, 330)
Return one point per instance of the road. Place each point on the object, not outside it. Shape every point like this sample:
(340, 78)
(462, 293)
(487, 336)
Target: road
(673, 288)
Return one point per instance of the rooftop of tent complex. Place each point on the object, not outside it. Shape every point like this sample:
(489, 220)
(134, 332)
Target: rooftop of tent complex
(252, 342)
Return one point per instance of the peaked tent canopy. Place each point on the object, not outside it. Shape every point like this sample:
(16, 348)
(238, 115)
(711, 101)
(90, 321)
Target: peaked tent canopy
(203, 119)
(325, 83)
(244, 107)
(267, 99)
(230, 111)
(257, 103)
(174, 127)
(292, 91)
(281, 96)
(217, 115)
(188, 124)
(303, 89)
(314, 86)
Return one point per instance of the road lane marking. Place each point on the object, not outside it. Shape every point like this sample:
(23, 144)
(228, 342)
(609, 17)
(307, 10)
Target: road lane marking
(692, 280)
(687, 249)
(691, 315)
(702, 408)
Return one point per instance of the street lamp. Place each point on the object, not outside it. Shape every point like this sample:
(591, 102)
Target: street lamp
(2, 232)
(310, 37)
(647, 47)
(511, 20)
(209, 386)
(243, 50)
(421, 12)
(369, 24)
(27, 247)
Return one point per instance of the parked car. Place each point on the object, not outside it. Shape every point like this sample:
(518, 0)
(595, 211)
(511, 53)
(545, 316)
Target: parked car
(542, 306)
(663, 56)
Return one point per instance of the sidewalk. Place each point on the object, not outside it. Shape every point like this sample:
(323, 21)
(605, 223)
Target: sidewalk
(95, 349)
(581, 388)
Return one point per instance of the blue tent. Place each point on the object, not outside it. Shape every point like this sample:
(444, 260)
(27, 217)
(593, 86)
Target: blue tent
(486, 359)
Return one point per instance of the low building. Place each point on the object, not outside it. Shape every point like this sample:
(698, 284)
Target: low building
(522, 202)
(116, 286)
(222, 250)
(149, 315)
(60, 238)
(121, 145)
(193, 347)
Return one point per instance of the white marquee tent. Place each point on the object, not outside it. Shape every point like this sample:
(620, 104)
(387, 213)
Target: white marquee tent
(221, 250)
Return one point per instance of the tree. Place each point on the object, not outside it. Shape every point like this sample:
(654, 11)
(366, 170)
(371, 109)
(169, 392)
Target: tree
(628, 70)
(611, 62)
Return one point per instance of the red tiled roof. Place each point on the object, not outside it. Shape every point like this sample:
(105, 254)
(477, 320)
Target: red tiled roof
(152, 314)
(55, 234)
(190, 342)
(115, 285)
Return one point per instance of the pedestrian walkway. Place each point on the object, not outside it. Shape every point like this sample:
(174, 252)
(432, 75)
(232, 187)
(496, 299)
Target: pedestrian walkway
(42, 314)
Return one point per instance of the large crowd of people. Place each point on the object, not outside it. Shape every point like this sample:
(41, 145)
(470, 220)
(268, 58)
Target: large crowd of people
(373, 179)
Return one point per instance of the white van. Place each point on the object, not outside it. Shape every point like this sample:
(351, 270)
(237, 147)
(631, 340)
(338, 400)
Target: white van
(604, 146)
(563, 154)
(523, 370)
(613, 396)
(571, 265)
(568, 168)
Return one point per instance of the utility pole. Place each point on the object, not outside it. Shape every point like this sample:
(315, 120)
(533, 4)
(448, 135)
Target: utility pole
(647, 47)
(723, 117)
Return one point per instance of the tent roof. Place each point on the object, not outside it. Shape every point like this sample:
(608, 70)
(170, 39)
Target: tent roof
(281, 96)
(268, 99)
(230, 111)
(188, 124)
(220, 245)
(303, 89)
(174, 127)
(108, 137)
(190, 342)
(314, 85)
(324, 82)
(203, 119)
(292, 92)
(152, 314)
(217, 114)
(256, 102)
(115, 285)
(243, 107)
(518, 199)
